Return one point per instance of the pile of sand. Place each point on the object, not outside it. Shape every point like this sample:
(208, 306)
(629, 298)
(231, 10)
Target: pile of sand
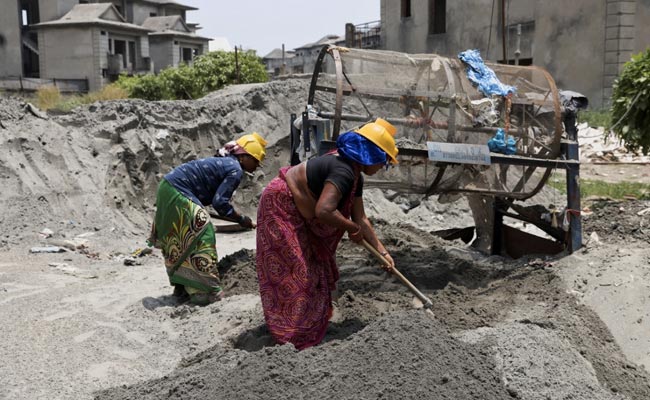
(503, 328)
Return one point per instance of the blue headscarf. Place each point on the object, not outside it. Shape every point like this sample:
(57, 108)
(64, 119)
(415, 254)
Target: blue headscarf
(357, 148)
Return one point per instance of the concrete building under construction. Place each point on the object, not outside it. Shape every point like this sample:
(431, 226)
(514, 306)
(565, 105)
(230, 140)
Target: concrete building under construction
(582, 43)
(87, 44)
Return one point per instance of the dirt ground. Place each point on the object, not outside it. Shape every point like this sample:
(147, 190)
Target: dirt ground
(82, 324)
(616, 173)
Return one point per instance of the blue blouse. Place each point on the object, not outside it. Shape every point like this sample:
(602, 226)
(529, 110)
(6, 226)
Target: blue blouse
(209, 180)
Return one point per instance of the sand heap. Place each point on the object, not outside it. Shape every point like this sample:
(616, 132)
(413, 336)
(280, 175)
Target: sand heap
(97, 168)
(503, 329)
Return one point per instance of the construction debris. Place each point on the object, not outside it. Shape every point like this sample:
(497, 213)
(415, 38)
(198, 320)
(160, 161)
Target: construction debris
(49, 249)
(599, 147)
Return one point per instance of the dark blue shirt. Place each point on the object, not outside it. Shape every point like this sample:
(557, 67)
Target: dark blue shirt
(208, 181)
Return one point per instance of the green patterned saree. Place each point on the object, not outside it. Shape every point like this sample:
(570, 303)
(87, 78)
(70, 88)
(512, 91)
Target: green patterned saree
(183, 231)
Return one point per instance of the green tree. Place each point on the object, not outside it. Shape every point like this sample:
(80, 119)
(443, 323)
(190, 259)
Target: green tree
(181, 82)
(631, 103)
(219, 68)
(148, 87)
(209, 72)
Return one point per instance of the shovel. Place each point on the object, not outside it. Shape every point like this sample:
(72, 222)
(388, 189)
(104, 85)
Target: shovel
(426, 302)
(225, 224)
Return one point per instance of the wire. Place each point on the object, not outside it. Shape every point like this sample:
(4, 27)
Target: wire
(628, 110)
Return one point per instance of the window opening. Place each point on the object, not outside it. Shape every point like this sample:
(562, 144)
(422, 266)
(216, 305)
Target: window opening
(186, 54)
(406, 8)
(522, 61)
(437, 16)
(120, 48)
(132, 54)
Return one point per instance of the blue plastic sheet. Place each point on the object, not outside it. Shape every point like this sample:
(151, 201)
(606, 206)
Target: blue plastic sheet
(482, 76)
(499, 144)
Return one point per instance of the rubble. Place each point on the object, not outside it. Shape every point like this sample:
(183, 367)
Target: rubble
(599, 147)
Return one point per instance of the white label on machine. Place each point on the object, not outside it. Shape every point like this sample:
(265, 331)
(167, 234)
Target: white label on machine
(459, 153)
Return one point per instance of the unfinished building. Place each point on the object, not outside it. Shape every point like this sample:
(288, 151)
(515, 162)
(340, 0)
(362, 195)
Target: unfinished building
(582, 43)
(86, 44)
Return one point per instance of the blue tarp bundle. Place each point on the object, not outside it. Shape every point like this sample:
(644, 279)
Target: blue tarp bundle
(483, 76)
(499, 144)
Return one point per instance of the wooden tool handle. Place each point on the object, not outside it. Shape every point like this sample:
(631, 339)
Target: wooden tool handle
(424, 299)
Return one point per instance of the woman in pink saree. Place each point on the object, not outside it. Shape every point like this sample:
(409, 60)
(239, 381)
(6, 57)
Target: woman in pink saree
(302, 216)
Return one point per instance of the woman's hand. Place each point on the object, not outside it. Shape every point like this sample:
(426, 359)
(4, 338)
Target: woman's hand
(246, 222)
(387, 257)
(356, 235)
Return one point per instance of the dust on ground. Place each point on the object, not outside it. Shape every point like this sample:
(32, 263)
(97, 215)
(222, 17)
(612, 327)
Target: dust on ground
(502, 329)
(619, 221)
(83, 324)
(616, 173)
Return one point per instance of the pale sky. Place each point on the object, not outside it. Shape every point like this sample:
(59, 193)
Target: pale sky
(263, 25)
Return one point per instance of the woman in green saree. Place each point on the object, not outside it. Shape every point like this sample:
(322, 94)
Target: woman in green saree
(182, 227)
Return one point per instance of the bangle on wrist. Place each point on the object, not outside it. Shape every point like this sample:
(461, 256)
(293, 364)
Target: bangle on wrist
(358, 231)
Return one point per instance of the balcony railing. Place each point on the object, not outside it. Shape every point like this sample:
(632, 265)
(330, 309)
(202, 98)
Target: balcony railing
(363, 36)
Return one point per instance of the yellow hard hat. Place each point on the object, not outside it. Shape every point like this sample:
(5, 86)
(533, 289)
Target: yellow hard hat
(381, 133)
(259, 139)
(253, 144)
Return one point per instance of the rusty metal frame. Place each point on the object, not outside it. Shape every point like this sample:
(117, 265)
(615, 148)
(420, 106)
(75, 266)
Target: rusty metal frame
(345, 88)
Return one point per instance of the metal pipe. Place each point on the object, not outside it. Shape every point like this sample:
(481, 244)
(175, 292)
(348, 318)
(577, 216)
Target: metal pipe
(306, 127)
(411, 122)
(236, 66)
(573, 183)
(327, 145)
(338, 107)
(503, 32)
(518, 49)
(497, 227)
(294, 140)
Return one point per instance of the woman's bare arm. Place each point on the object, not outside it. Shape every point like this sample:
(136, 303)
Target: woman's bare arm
(369, 234)
(327, 212)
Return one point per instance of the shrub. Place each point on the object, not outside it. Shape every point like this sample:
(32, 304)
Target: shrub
(147, 87)
(218, 69)
(631, 103)
(181, 82)
(209, 72)
(108, 92)
(48, 97)
(68, 103)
